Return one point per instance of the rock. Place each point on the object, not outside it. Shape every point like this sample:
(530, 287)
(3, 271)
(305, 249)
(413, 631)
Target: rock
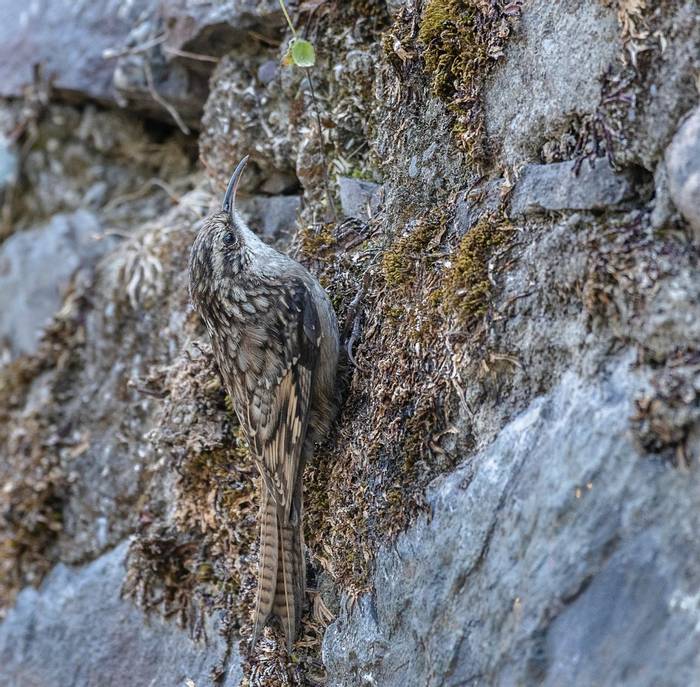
(359, 199)
(214, 28)
(68, 38)
(35, 268)
(554, 539)
(76, 630)
(683, 165)
(663, 210)
(193, 31)
(9, 163)
(81, 46)
(241, 118)
(670, 89)
(101, 159)
(552, 69)
(554, 187)
(183, 90)
(272, 217)
(476, 202)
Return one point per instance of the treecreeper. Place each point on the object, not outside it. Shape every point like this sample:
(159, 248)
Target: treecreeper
(275, 340)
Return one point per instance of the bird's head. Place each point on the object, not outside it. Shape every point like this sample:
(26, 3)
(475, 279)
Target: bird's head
(218, 251)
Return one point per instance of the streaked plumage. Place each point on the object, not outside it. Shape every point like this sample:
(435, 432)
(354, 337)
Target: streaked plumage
(275, 340)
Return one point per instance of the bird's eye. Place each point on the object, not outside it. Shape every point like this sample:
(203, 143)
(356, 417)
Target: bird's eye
(229, 238)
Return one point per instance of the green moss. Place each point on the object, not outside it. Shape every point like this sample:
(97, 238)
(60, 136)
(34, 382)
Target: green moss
(362, 174)
(461, 41)
(466, 287)
(316, 241)
(401, 261)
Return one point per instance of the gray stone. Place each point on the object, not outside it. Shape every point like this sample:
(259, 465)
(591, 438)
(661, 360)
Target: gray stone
(671, 88)
(683, 165)
(477, 201)
(268, 71)
(556, 187)
(552, 70)
(663, 209)
(193, 29)
(35, 268)
(9, 163)
(68, 38)
(359, 199)
(273, 217)
(212, 26)
(558, 540)
(76, 630)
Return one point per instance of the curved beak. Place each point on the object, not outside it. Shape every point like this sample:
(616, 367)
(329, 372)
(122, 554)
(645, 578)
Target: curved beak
(230, 196)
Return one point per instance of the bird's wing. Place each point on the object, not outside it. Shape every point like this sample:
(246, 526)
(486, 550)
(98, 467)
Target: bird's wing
(278, 387)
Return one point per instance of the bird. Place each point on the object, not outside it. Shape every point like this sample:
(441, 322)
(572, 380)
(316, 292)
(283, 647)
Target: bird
(275, 340)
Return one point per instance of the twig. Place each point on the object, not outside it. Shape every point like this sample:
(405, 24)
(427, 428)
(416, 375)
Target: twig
(286, 16)
(326, 183)
(162, 101)
(111, 53)
(190, 55)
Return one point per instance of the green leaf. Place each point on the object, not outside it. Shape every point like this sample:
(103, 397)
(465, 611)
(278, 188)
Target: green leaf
(303, 53)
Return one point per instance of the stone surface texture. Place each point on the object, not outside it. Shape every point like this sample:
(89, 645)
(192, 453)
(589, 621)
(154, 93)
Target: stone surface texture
(80, 609)
(35, 269)
(358, 199)
(683, 165)
(67, 38)
(615, 611)
(563, 186)
(510, 495)
(551, 72)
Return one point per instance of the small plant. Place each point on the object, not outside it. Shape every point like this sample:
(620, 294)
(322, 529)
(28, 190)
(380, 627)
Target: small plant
(303, 54)
(300, 51)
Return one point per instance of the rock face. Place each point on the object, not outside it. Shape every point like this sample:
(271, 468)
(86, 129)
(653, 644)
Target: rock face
(510, 493)
(551, 72)
(563, 186)
(683, 164)
(67, 38)
(76, 630)
(35, 268)
(617, 611)
(358, 199)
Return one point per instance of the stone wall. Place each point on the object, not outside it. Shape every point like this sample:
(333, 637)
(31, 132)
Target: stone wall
(505, 214)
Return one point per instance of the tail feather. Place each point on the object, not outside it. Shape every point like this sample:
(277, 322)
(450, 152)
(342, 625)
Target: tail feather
(289, 596)
(282, 572)
(267, 569)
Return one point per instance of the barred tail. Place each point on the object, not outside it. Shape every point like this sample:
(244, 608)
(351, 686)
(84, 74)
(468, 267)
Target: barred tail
(291, 582)
(282, 572)
(268, 560)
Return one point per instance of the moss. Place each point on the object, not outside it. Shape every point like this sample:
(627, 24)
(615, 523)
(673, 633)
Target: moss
(466, 287)
(316, 241)
(362, 174)
(461, 41)
(34, 483)
(402, 260)
(208, 537)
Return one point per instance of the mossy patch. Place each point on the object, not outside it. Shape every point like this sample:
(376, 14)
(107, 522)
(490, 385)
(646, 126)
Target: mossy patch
(200, 555)
(403, 259)
(367, 482)
(34, 438)
(461, 41)
(467, 285)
